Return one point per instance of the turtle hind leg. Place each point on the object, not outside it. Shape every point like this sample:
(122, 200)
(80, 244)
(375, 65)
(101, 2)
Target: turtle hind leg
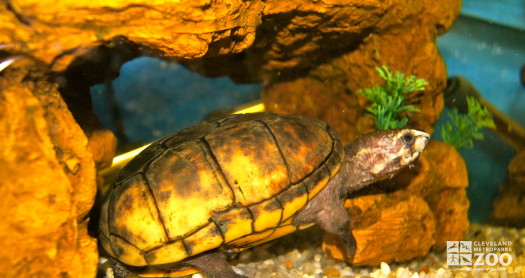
(120, 271)
(213, 265)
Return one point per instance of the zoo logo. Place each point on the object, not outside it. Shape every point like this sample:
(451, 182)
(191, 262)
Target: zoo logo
(465, 253)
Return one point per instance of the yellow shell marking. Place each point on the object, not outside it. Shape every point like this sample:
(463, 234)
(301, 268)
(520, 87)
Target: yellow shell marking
(138, 220)
(250, 161)
(126, 252)
(266, 214)
(249, 240)
(319, 184)
(281, 231)
(234, 223)
(206, 238)
(186, 189)
(171, 252)
(258, 239)
(293, 199)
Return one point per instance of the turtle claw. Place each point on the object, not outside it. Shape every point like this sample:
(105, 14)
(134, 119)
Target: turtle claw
(240, 273)
(349, 246)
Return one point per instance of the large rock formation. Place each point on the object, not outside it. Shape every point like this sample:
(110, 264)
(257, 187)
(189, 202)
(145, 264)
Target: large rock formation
(48, 181)
(313, 52)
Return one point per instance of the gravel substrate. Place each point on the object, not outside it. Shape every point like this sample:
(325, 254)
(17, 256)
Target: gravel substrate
(299, 256)
(280, 260)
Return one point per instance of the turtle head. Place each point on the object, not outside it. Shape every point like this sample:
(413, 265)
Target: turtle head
(381, 154)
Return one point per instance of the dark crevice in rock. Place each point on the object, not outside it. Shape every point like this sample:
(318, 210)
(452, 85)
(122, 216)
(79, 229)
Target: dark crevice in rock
(98, 65)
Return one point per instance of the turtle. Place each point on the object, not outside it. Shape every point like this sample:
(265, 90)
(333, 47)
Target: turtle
(222, 186)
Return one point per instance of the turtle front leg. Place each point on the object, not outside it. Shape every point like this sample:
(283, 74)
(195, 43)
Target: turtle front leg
(333, 220)
(213, 265)
(327, 211)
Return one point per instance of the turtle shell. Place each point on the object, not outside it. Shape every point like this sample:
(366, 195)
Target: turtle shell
(232, 184)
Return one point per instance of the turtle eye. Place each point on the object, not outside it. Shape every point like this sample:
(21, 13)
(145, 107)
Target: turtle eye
(408, 138)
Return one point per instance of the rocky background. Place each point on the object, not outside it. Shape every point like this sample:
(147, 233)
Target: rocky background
(311, 55)
(509, 206)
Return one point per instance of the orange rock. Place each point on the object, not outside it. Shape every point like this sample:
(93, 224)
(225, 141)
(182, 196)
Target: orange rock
(279, 37)
(48, 182)
(442, 158)
(509, 206)
(304, 97)
(333, 82)
(450, 208)
(344, 62)
(181, 29)
(102, 145)
(423, 207)
(333, 86)
(441, 178)
(446, 191)
(387, 229)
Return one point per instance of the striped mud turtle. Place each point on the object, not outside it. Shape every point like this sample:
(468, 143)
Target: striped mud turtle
(237, 182)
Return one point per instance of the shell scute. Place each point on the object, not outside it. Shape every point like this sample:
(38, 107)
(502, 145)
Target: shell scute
(244, 118)
(125, 251)
(186, 189)
(262, 237)
(249, 240)
(335, 159)
(234, 223)
(208, 237)
(140, 162)
(304, 144)
(266, 214)
(134, 206)
(293, 200)
(250, 160)
(173, 251)
(191, 133)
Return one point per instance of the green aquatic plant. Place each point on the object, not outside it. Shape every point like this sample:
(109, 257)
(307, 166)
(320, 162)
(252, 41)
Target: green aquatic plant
(388, 107)
(463, 129)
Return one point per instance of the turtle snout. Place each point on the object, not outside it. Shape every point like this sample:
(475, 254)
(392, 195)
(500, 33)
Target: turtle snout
(422, 139)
